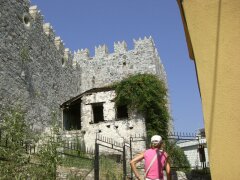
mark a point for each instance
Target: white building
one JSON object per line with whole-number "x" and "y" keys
{"x": 94, "y": 112}
{"x": 192, "y": 149}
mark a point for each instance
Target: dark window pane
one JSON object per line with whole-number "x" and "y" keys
{"x": 72, "y": 117}
{"x": 122, "y": 112}
{"x": 97, "y": 112}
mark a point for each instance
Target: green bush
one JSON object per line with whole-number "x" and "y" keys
{"x": 14, "y": 160}
{"x": 177, "y": 157}
{"x": 148, "y": 95}
{"x": 48, "y": 154}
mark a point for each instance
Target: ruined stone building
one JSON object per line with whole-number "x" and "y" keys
{"x": 40, "y": 74}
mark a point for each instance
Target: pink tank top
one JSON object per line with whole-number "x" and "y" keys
{"x": 156, "y": 170}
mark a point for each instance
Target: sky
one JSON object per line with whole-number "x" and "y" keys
{"x": 89, "y": 23}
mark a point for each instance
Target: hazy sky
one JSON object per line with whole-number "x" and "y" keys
{"x": 88, "y": 23}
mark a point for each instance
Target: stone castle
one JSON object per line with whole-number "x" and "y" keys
{"x": 42, "y": 75}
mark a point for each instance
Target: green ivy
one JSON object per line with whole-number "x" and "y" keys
{"x": 148, "y": 95}
{"x": 177, "y": 157}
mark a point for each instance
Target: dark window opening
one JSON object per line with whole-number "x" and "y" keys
{"x": 122, "y": 112}
{"x": 72, "y": 117}
{"x": 63, "y": 61}
{"x": 97, "y": 112}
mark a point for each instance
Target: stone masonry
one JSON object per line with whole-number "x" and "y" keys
{"x": 35, "y": 69}
{"x": 40, "y": 74}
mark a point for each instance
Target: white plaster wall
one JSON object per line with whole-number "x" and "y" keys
{"x": 117, "y": 130}
{"x": 190, "y": 149}
{"x": 192, "y": 156}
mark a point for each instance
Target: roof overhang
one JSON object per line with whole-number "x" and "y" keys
{"x": 77, "y": 99}
{"x": 187, "y": 35}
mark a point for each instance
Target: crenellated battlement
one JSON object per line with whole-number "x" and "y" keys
{"x": 105, "y": 68}
{"x": 67, "y": 54}
{"x": 58, "y": 43}
{"x": 143, "y": 43}
{"x": 36, "y": 15}
{"x": 120, "y": 47}
{"x": 101, "y": 51}
{"x": 34, "y": 12}
{"x": 140, "y": 46}
{"x": 48, "y": 29}
{"x": 82, "y": 54}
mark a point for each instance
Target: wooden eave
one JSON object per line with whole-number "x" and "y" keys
{"x": 78, "y": 98}
{"x": 187, "y": 35}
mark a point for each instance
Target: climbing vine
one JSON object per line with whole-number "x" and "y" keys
{"x": 148, "y": 95}
{"x": 24, "y": 54}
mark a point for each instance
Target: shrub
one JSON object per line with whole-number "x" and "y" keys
{"x": 14, "y": 160}
{"x": 48, "y": 154}
{"x": 148, "y": 95}
{"x": 177, "y": 157}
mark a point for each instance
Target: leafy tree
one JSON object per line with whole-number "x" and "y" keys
{"x": 15, "y": 162}
{"x": 148, "y": 95}
{"x": 14, "y": 133}
{"x": 177, "y": 157}
{"x": 48, "y": 154}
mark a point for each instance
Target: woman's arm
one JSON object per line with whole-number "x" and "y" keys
{"x": 168, "y": 169}
{"x": 133, "y": 162}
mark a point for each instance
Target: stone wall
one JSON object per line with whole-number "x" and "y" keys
{"x": 105, "y": 68}
{"x": 116, "y": 129}
{"x": 190, "y": 149}
{"x": 36, "y": 70}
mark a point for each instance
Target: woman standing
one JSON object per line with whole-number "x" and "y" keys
{"x": 155, "y": 161}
